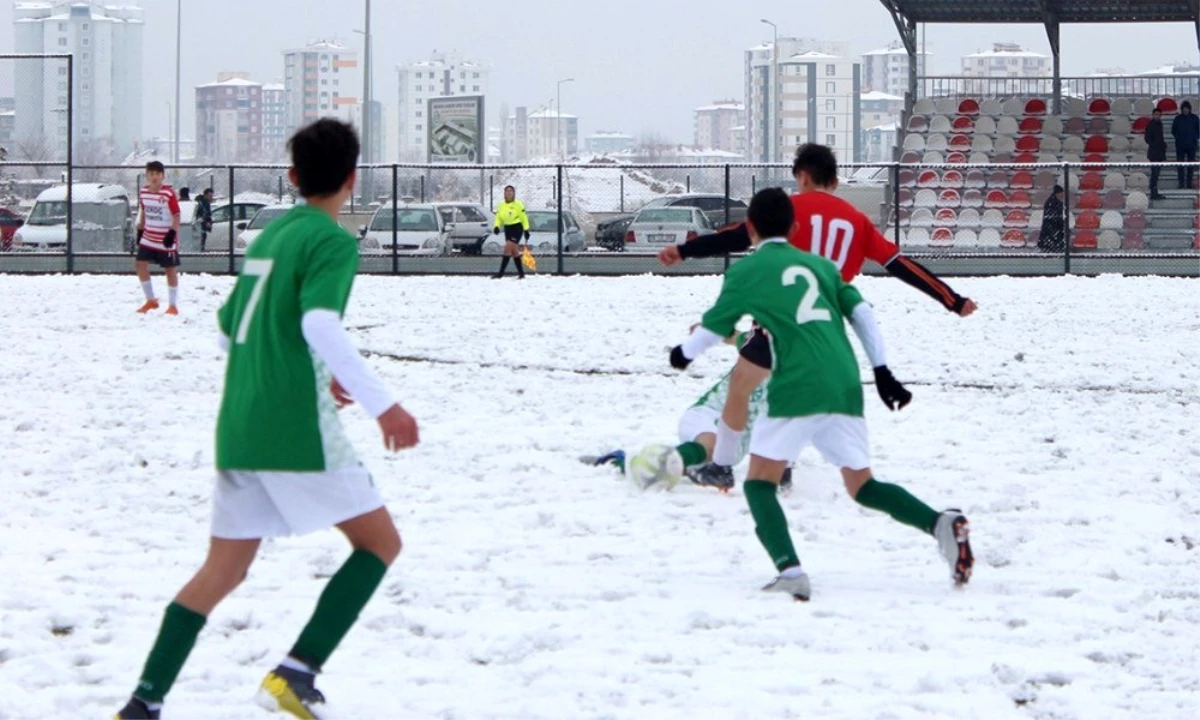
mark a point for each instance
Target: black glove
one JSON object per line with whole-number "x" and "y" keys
{"x": 526, "y": 234}
{"x": 893, "y": 394}
{"x": 169, "y": 240}
{"x": 495, "y": 231}
{"x": 678, "y": 361}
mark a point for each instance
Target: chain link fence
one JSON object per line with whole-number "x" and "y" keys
{"x": 609, "y": 218}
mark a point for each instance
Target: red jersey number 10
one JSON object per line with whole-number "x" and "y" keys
{"x": 834, "y": 244}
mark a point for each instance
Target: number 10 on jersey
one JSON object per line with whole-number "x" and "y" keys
{"x": 833, "y": 245}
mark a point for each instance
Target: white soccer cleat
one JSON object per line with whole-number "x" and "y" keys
{"x": 657, "y": 466}
{"x": 953, "y": 534}
{"x": 795, "y": 583}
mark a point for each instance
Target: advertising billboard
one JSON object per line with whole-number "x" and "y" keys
{"x": 456, "y": 130}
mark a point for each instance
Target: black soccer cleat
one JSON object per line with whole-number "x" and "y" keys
{"x": 785, "y": 484}
{"x": 136, "y": 709}
{"x": 712, "y": 475}
{"x": 292, "y": 691}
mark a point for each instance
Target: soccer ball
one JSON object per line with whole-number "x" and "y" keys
{"x": 656, "y": 466}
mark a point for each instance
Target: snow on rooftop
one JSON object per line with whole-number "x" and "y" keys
{"x": 233, "y": 82}
{"x": 722, "y": 106}
{"x": 880, "y": 97}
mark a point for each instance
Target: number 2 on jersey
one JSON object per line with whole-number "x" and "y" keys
{"x": 808, "y": 310}
{"x": 835, "y": 244}
{"x": 260, "y": 270}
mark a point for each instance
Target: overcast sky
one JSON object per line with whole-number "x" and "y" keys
{"x": 639, "y": 65}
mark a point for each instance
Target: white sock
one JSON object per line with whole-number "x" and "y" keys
{"x": 148, "y": 289}
{"x": 292, "y": 663}
{"x": 728, "y": 443}
{"x": 793, "y": 571}
{"x": 173, "y": 293}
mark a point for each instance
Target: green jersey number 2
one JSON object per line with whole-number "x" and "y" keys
{"x": 260, "y": 270}
{"x": 808, "y": 310}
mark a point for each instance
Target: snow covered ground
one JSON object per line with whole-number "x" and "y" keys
{"x": 1063, "y": 418}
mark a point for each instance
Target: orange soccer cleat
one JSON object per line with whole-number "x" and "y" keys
{"x": 172, "y": 310}
{"x": 148, "y": 306}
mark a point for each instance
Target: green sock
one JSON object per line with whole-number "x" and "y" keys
{"x": 175, "y": 641}
{"x": 338, "y": 607}
{"x": 769, "y": 523}
{"x": 899, "y": 503}
{"x": 693, "y": 453}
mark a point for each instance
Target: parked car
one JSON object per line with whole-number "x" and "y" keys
{"x": 543, "y": 234}
{"x": 610, "y": 234}
{"x": 417, "y": 230}
{"x": 468, "y": 224}
{"x": 241, "y": 211}
{"x": 262, "y": 218}
{"x": 100, "y": 215}
{"x": 9, "y": 222}
{"x": 657, "y": 227}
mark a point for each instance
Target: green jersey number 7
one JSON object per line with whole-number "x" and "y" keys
{"x": 808, "y": 310}
{"x": 260, "y": 270}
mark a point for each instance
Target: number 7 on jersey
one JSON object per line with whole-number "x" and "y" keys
{"x": 260, "y": 270}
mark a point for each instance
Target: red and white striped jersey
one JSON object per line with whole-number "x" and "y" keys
{"x": 158, "y": 209}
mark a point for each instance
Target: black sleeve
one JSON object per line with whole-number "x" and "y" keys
{"x": 757, "y": 348}
{"x": 726, "y": 241}
{"x": 915, "y": 274}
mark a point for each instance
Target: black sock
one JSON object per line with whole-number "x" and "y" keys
{"x": 503, "y": 264}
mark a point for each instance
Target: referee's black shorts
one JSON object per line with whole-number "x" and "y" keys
{"x": 514, "y": 233}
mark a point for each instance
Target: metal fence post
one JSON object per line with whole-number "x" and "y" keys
{"x": 896, "y": 200}
{"x": 395, "y": 239}
{"x": 560, "y": 220}
{"x": 423, "y": 176}
{"x": 1068, "y": 233}
{"x": 727, "y": 191}
{"x": 688, "y": 181}
{"x": 232, "y": 195}
{"x": 622, "y": 179}
{"x": 71, "y": 165}
{"x": 492, "y": 192}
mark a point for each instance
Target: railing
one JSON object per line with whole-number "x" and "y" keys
{"x": 1156, "y": 86}
{"x": 581, "y": 216}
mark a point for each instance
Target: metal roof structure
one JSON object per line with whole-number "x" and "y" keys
{"x": 1051, "y": 13}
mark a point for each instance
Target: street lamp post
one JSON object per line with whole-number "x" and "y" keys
{"x": 169, "y": 121}
{"x": 776, "y": 125}
{"x": 178, "y": 56}
{"x": 558, "y": 118}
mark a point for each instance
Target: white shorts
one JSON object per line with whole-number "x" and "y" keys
{"x": 841, "y": 439}
{"x": 700, "y": 419}
{"x": 251, "y": 504}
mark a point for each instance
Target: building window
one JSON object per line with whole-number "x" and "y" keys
{"x": 830, "y": 70}
{"x": 830, "y": 87}
{"x": 475, "y": 76}
{"x": 474, "y": 88}
{"x": 86, "y": 42}
{"x": 831, "y": 105}
{"x": 831, "y": 140}
{"x": 62, "y": 27}
{"x": 831, "y": 123}
{"x": 418, "y": 126}
{"x": 85, "y": 27}
{"x": 62, "y": 42}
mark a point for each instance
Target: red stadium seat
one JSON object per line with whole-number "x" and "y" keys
{"x": 1139, "y": 125}
{"x": 1094, "y": 162}
{"x": 1019, "y": 199}
{"x": 1091, "y": 181}
{"x": 1029, "y": 144}
{"x": 1099, "y": 106}
{"x": 1036, "y": 106}
{"x": 1013, "y": 238}
{"x": 1088, "y": 220}
{"x": 942, "y": 237}
{"x": 963, "y": 124}
{"x": 1016, "y": 219}
{"x": 996, "y": 198}
{"x": 957, "y": 158}
{"x": 1085, "y": 240}
{"x": 945, "y": 217}
{"x": 1025, "y": 158}
{"x": 1168, "y": 106}
{"x": 928, "y": 178}
{"x": 970, "y": 106}
{"x": 960, "y": 142}
{"x": 1096, "y": 144}
{"x": 950, "y": 198}
{"x": 952, "y": 179}
{"x": 1030, "y": 126}
{"x": 1090, "y": 201}
{"x": 1022, "y": 179}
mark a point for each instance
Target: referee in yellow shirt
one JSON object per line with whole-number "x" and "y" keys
{"x": 511, "y": 216}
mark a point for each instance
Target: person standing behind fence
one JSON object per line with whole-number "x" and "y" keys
{"x": 1052, "y": 238}
{"x": 157, "y": 230}
{"x": 204, "y": 215}
{"x": 1186, "y": 129}
{"x": 1156, "y": 150}
{"x": 511, "y": 216}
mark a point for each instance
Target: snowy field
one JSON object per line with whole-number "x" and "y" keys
{"x": 1063, "y": 418}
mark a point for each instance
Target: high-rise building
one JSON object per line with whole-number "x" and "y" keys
{"x": 544, "y": 134}
{"x": 442, "y": 75}
{"x": 106, "y": 100}
{"x": 229, "y": 117}
{"x": 605, "y": 142}
{"x": 1007, "y": 60}
{"x": 886, "y": 70}
{"x": 320, "y": 80}
{"x": 818, "y": 93}
{"x": 715, "y": 125}
{"x": 274, "y": 121}
{"x": 8, "y": 118}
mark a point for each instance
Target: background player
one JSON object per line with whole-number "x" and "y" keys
{"x": 284, "y": 463}
{"x": 157, "y": 230}
{"x": 815, "y": 393}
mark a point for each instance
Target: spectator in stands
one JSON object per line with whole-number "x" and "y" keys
{"x": 1186, "y": 129}
{"x": 1053, "y": 235}
{"x": 1156, "y": 150}
{"x": 185, "y": 194}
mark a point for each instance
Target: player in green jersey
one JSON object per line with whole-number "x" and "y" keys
{"x": 814, "y": 395}
{"x": 284, "y": 464}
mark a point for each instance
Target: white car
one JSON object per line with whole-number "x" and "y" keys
{"x": 543, "y": 234}
{"x": 657, "y": 227}
{"x": 262, "y": 218}
{"x": 416, "y": 230}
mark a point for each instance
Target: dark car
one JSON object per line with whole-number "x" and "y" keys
{"x": 711, "y": 204}
{"x": 9, "y": 222}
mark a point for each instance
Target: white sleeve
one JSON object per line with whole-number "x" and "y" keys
{"x": 699, "y": 341}
{"x": 223, "y": 341}
{"x": 867, "y": 330}
{"x": 324, "y": 334}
